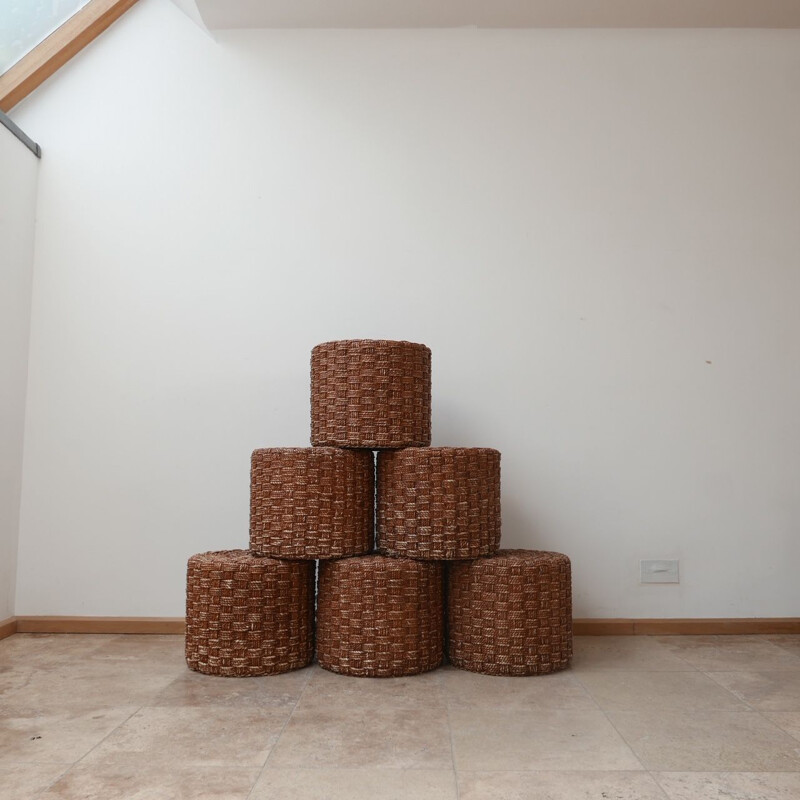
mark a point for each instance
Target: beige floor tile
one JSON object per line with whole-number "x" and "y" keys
{"x": 195, "y": 689}
{"x": 765, "y": 691}
{"x": 624, "y": 652}
{"x": 355, "y": 784}
{"x": 627, "y": 690}
{"x": 730, "y": 785}
{"x": 88, "y": 684}
{"x": 145, "y": 781}
{"x": 144, "y": 651}
{"x": 788, "y": 721}
{"x": 26, "y": 781}
{"x": 558, "y": 786}
{"x": 341, "y": 734}
{"x": 57, "y": 737}
{"x": 32, "y": 650}
{"x": 706, "y": 740}
{"x": 730, "y": 653}
{"x": 537, "y": 739}
{"x": 12, "y": 679}
{"x": 786, "y": 641}
{"x": 557, "y": 690}
{"x": 415, "y": 691}
{"x": 201, "y": 735}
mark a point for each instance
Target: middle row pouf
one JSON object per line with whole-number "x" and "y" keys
{"x": 311, "y": 502}
{"x": 439, "y": 503}
{"x": 434, "y": 503}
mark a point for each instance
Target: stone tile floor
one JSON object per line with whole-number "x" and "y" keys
{"x": 634, "y": 718}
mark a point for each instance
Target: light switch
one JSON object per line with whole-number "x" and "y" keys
{"x": 663, "y": 571}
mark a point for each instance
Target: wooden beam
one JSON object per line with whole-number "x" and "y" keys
{"x": 677, "y": 627}
{"x": 582, "y": 627}
{"x": 8, "y": 627}
{"x": 58, "y": 48}
{"x": 176, "y": 625}
{"x": 603, "y": 627}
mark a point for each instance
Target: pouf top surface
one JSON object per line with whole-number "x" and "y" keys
{"x": 378, "y": 561}
{"x": 512, "y": 557}
{"x": 426, "y": 452}
{"x": 312, "y": 452}
{"x": 367, "y": 344}
{"x": 235, "y": 558}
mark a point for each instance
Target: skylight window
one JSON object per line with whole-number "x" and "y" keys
{"x": 26, "y": 23}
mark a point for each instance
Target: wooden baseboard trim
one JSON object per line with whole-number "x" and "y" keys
{"x": 173, "y": 625}
{"x": 8, "y": 627}
{"x": 603, "y": 627}
{"x": 685, "y": 627}
{"x": 581, "y": 627}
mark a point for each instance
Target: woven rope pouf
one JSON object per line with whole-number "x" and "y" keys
{"x": 380, "y": 617}
{"x": 311, "y": 502}
{"x": 511, "y": 614}
{"x": 371, "y": 393}
{"x": 247, "y": 615}
{"x": 439, "y": 502}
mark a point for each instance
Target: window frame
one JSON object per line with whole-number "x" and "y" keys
{"x": 58, "y": 48}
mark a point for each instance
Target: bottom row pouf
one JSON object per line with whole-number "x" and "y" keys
{"x": 511, "y": 614}
{"x": 380, "y": 617}
{"x": 508, "y": 614}
{"x": 248, "y": 615}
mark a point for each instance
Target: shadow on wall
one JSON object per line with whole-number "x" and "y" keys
{"x": 519, "y": 528}
{"x": 457, "y": 425}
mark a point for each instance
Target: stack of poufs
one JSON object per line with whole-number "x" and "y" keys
{"x": 404, "y": 545}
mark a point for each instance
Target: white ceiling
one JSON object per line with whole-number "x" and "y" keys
{"x": 223, "y": 14}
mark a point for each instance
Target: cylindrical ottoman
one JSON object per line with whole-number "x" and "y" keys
{"x": 380, "y": 617}
{"x": 247, "y": 615}
{"x": 371, "y": 393}
{"x": 311, "y": 502}
{"x": 439, "y": 502}
{"x": 511, "y": 614}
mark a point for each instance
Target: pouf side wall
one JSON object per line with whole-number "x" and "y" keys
{"x": 371, "y": 394}
{"x": 311, "y": 502}
{"x": 380, "y": 617}
{"x": 248, "y": 616}
{"x": 511, "y": 614}
{"x": 438, "y": 502}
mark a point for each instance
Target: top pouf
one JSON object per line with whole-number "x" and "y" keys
{"x": 371, "y": 393}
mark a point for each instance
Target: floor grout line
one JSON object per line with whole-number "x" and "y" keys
{"x": 55, "y": 780}
{"x": 775, "y": 724}
{"x": 310, "y": 669}
{"x": 730, "y": 691}
{"x": 450, "y": 695}
{"x": 603, "y": 712}
{"x": 446, "y": 700}
{"x": 90, "y": 750}
{"x": 658, "y": 784}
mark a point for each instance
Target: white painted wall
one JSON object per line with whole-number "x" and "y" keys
{"x": 18, "y": 171}
{"x": 596, "y": 232}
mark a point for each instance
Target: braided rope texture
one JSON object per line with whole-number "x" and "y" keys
{"x": 371, "y": 393}
{"x": 439, "y": 502}
{"x": 311, "y": 502}
{"x": 511, "y": 614}
{"x": 247, "y": 615}
{"x": 380, "y": 617}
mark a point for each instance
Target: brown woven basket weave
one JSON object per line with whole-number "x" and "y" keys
{"x": 371, "y": 393}
{"x": 247, "y": 615}
{"x": 380, "y": 617}
{"x": 311, "y": 502}
{"x": 511, "y": 614}
{"x": 439, "y": 502}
